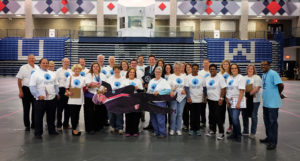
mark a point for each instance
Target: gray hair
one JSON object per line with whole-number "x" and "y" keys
{"x": 158, "y": 68}
{"x": 100, "y": 55}
{"x": 177, "y": 63}
{"x": 65, "y": 59}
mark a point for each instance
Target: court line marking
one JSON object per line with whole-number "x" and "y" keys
{"x": 8, "y": 99}
{"x": 9, "y": 114}
{"x": 290, "y": 113}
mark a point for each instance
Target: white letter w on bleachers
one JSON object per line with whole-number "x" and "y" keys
{"x": 40, "y": 50}
{"x": 230, "y": 56}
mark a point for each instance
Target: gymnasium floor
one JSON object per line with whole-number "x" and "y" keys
{"x": 16, "y": 144}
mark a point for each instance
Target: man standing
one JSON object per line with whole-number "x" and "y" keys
{"x": 23, "y": 76}
{"x": 108, "y": 70}
{"x": 149, "y": 70}
{"x": 205, "y": 71}
{"x": 139, "y": 73}
{"x": 100, "y": 60}
{"x": 272, "y": 88}
{"x": 141, "y": 65}
{"x": 61, "y": 76}
{"x": 43, "y": 86}
{"x": 84, "y": 69}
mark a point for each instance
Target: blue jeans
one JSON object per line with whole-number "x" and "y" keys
{"x": 253, "y": 119}
{"x": 116, "y": 121}
{"x": 176, "y": 114}
{"x": 159, "y": 121}
{"x": 235, "y": 113}
{"x": 271, "y": 124}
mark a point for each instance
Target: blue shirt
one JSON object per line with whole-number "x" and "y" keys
{"x": 271, "y": 97}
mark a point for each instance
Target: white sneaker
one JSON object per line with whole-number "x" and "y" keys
{"x": 252, "y": 136}
{"x": 179, "y": 133}
{"x": 211, "y": 133}
{"x": 172, "y": 132}
{"x": 112, "y": 130}
{"x": 120, "y": 132}
{"x": 220, "y": 136}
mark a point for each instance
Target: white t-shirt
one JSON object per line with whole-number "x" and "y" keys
{"x": 167, "y": 76}
{"x": 25, "y": 73}
{"x": 195, "y": 84}
{"x": 93, "y": 78}
{"x": 256, "y": 81}
{"x": 177, "y": 82}
{"x": 214, "y": 85}
{"x": 141, "y": 68}
{"x": 234, "y": 85}
{"x": 44, "y": 82}
{"x": 157, "y": 85}
{"x": 62, "y": 75}
{"x": 225, "y": 75}
{"x": 108, "y": 71}
{"x": 123, "y": 73}
{"x": 135, "y": 82}
{"x": 116, "y": 83}
{"x": 84, "y": 72}
{"x": 76, "y": 82}
{"x": 139, "y": 75}
{"x": 204, "y": 73}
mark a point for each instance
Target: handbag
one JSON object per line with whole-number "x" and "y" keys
{"x": 75, "y": 92}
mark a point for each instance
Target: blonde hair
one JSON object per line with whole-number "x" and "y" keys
{"x": 254, "y": 69}
{"x": 222, "y": 69}
{"x": 52, "y": 63}
{"x": 76, "y": 66}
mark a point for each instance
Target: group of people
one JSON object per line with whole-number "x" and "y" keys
{"x": 66, "y": 90}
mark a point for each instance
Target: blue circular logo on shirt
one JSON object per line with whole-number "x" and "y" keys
{"x": 211, "y": 83}
{"x": 32, "y": 72}
{"x": 225, "y": 76}
{"x": 167, "y": 78}
{"x": 248, "y": 81}
{"x": 153, "y": 86}
{"x": 117, "y": 84}
{"x": 230, "y": 83}
{"x": 206, "y": 75}
{"x": 178, "y": 81}
{"x": 111, "y": 72}
{"x": 195, "y": 81}
{"x": 47, "y": 76}
{"x": 82, "y": 74}
{"x": 132, "y": 83}
{"x": 104, "y": 72}
{"x": 97, "y": 79}
{"x": 76, "y": 82}
{"x": 67, "y": 74}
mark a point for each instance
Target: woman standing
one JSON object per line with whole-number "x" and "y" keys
{"x": 94, "y": 115}
{"x": 160, "y": 63}
{"x": 76, "y": 100}
{"x": 124, "y": 64}
{"x": 215, "y": 85}
{"x": 177, "y": 82}
{"x": 195, "y": 86}
{"x": 159, "y": 86}
{"x": 116, "y": 81}
{"x": 133, "y": 118}
{"x": 187, "y": 107}
{"x": 168, "y": 70}
{"x": 253, "y": 85}
{"x": 235, "y": 99}
{"x": 225, "y": 72}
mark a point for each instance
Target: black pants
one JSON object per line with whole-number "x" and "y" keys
{"x": 132, "y": 122}
{"x": 95, "y": 116}
{"x": 271, "y": 124}
{"x": 63, "y": 107}
{"x": 74, "y": 110}
{"x": 203, "y": 113}
{"x": 26, "y": 101}
{"x": 223, "y": 113}
{"x": 215, "y": 116}
{"x": 42, "y": 107}
{"x": 195, "y": 116}
{"x": 186, "y": 115}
